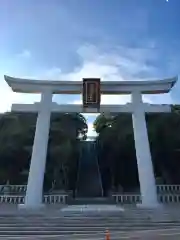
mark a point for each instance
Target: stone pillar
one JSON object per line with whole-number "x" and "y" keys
{"x": 34, "y": 191}
{"x": 143, "y": 154}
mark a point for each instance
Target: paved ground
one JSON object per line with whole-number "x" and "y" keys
{"x": 161, "y": 234}
{"x": 157, "y": 234}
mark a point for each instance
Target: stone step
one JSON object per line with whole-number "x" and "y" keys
{"x": 110, "y": 223}
{"x": 20, "y": 232}
{"x": 91, "y": 201}
{"x": 74, "y": 219}
{"x": 81, "y": 225}
{"x": 87, "y": 223}
{"x": 91, "y": 221}
{"x": 70, "y": 224}
{"x": 92, "y": 218}
{"x": 89, "y": 218}
{"x": 102, "y": 229}
{"x": 86, "y": 217}
{"x": 57, "y": 211}
{"x": 90, "y": 213}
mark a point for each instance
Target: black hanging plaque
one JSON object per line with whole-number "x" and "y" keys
{"x": 91, "y": 92}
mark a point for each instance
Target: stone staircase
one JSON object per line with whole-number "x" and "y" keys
{"x": 84, "y": 222}
{"x": 89, "y": 183}
{"x": 92, "y": 201}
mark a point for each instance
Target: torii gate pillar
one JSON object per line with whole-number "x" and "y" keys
{"x": 143, "y": 154}
{"x": 34, "y": 190}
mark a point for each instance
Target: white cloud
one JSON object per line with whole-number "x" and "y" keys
{"x": 50, "y": 74}
{"x": 8, "y": 97}
{"x": 125, "y": 64}
{"x": 116, "y": 67}
{"x": 24, "y": 54}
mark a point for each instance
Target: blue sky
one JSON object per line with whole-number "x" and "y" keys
{"x": 72, "y": 39}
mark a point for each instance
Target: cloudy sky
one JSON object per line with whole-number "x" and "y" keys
{"x": 72, "y": 39}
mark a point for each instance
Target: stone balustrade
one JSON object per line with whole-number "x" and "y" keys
{"x": 127, "y": 198}
{"x": 13, "y": 189}
{"x": 136, "y": 198}
{"x": 48, "y": 199}
{"x": 167, "y": 194}
{"x": 22, "y": 188}
{"x": 169, "y": 198}
{"x": 118, "y": 198}
{"x": 168, "y": 189}
{"x": 55, "y": 199}
{"x": 12, "y": 199}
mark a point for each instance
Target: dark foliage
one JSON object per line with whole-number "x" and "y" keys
{"x": 117, "y": 156}
{"x": 16, "y": 140}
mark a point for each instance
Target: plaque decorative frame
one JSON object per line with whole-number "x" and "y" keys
{"x": 91, "y": 92}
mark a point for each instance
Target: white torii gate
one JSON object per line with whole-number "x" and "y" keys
{"x": 44, "y": 108}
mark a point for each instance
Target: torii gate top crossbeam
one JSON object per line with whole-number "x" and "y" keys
{"x": 75, "y": 87}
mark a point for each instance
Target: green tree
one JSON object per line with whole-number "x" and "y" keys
{"x": 117, "y": 150}
{"x": 16, "y": 140}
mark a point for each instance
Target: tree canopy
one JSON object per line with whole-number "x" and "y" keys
{"x": 16, "y": 139}
{"x": 117, "y": 156}
{"x": 115, "y": 148}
